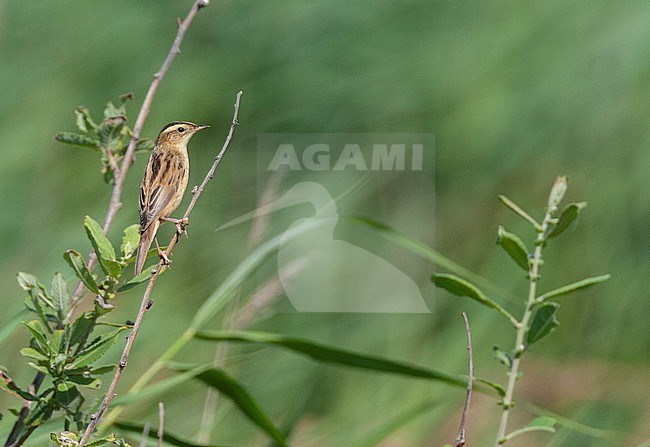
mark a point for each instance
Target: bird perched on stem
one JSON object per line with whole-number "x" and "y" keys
{"x": 163, "y": 185}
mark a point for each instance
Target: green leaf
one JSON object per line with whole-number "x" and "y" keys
{"x": 80, "y": 327}
{"x": 241, "y": 397}
{"x": 574, "y": 287}
{"x": 66, "y": 393}
{"x": 544, "y": 322}
{"x": 130, "y": 240}
{"x": 501, "y": 391}
{"x": 39, "y": 368}
{"x": 75, "y": 139}
{"x": 78, "y": 264}
{"x": 60, "y": 295}
{"x": 144, "y": 145}
{"x": 519, "y": 211}
{"x": 331, "y": 354}
{"x": 514, "y": 247}
{"x": 103, "y": 248}
{"x": 34, "y": 354}
{"x": 568, "y": 216}
{"x": 96, "y": 349}
{"x": 542, "y": 423}
{"x": 111, "y": 111}
{"x": 460, "y": 287}
{"x": 38, "y": 333}
{"x": 84, "y": 120}
{"x": 168, "y": 438}
{"x": 213, "y": 304}
{"x": 420, "y": 249}
{"x": 143, "y": 277}
{"x": 503, "y": 357}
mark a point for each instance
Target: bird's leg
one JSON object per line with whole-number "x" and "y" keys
{"x": 180, "y": 224}
{"x": 162, "y": 254}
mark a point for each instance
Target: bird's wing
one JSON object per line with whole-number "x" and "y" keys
{"x": 154, "y": 203}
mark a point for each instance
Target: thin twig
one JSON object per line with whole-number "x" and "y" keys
{"x": 115, "y": 201}
{"x": 145, "y": 435}
{"x": 460, "y": 440}
{"x": 161, "y": 423}
{"x": 147, "y": 302}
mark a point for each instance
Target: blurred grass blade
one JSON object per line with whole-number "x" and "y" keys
{"x": 514, "y": 247}
{"x": 519, "y": 211}
{"x": 160, "y": 387}
{"x": 541, "y": 423}
{"x": 169, "y": 438}
{"x": 424, "y": 251}
{"x": 241, "y": 397}
{"x": 460, "y": 287}
{"x": 220, "y": 297}
{"x": 574, "y": 287}
{"x": 8, "y": 327}
{"x": 331, "y": 354}
{"x": 387, "y": 428}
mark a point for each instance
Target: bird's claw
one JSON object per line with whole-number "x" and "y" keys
{"x": 163, "y": 256}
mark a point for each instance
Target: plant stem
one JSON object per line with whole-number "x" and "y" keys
{"x": 520, "y": 347}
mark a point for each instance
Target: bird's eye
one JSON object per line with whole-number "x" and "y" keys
{"x": 181, "y": 129}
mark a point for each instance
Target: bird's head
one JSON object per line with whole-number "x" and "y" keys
{"x": 178, "y": 132}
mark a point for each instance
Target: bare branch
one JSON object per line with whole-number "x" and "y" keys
{"x": 161, "y": 423}
{"x": 147, "y": 302}
{"x": 460, "y": 440}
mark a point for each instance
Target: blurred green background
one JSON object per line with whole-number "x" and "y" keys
{"x": 515, "y": 93}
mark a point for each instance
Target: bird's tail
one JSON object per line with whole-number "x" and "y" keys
{"x": 143, "y": 247}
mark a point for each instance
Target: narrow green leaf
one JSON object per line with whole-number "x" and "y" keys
{"x": 544, "y": 322}
{"x": 460, "y": 287}
{"x": 38, "y": 333}
{"x": 542, "y": 423}
{"x": 60, "y": 295}
{"x": 220, "y": 297}
{"x": 9, "y": 386}
{"x": 84, "y": 120}
{"x": 143, "y": 277}
{"x": 568, "y": 216}
{"x": 76, "y": 139}
{"x": 168, "y": 437}
{"x": 420, "y": 249}
{"x": 130, "y": 240}
{"x": 79, "y": 328}
{"x": 519, "y": 211}
{"x": 96, "y": 349}
{"x": 105, "y": 440}
{"x": 103, "y": 248}
{"x": 39, "y": 368}
{"x": 160, "y": 387}
{"x": 574, "y": 287}
{"x": 501, "y": 391}
{"x": 241, "y": 397}
{"x": 503, "y": 357}
{"x": 331, "y": 354}
{"x": 78, "y": 264}
{"x": 514, "y": 247}
{"x": 66, "y": 393}
{"x": 34, "y": 354}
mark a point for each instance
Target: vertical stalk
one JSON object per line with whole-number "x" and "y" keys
{"x": 557, "y": 192}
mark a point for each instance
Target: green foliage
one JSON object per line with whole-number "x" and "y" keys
{"x": 568, "y": 216}
{"x": 110, "y": 137}
{"x": 331, "y": 354}
{"x": 461, "y": 287}
{"x": 544, "y": 322}
{"x": 514, "y": 247}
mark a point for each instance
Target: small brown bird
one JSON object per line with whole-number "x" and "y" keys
{"x": 164, "y": 182}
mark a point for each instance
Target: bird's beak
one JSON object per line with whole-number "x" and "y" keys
{"x": 200, "y": 128}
